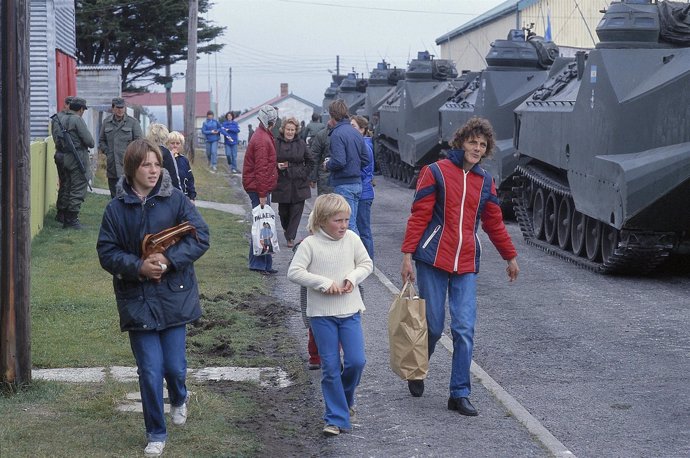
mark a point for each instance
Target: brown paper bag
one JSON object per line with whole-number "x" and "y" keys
{"x": 407, "y": 335}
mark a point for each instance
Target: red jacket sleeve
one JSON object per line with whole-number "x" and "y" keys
{"x": 492, "y": 223}
{"x": 422, "y": 210}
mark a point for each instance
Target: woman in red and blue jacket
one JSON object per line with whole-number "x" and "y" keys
{"x": 453, "y": 195}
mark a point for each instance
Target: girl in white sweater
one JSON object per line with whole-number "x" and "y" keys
{"x": 330, "y": 263}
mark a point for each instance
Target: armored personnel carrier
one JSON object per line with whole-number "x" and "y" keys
{"x": 516, "y": 67}
{"x": 408, "y": 121}
{"x": 330, "y": 95}
{"x": 604, "y": 146}
{"x": 353, "y": 91}
{"x": 382, "y": 80}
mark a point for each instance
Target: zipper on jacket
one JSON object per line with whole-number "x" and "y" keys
{"x": 462, "y": 215}
{"x": 433, "y": 233}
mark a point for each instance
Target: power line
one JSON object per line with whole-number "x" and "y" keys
{"x": 374, "y": 8}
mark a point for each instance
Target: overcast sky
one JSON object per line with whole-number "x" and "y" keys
{"x": 268, "y": 42}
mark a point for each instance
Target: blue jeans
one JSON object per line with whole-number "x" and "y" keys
{"x": 351, "y": 193}
{"x": 231, "y": 154}
{"x": 265, "y": 261}
{"x": 434, "y": 284}
{"x": 364, "y": 225}
{"x": 338, "y": 387}
{"x": 212, "y": 153}
{"x": 159, "y": 355}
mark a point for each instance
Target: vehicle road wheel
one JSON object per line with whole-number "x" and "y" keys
{"x": 577, "y": 232}
{"x": 593, "y": 239}
{"x": 550, "y": 218}
{"x": 538, "y": 214}
{"x": 609, "y": 242}
{"x": 565, "y": 216}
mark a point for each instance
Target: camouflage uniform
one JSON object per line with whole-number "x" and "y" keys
{"x": 76, "y": 181}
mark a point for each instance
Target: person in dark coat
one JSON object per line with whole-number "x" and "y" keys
{"x": 259, "y": 177}
{"x": 321, "y": 151}
{"x": 59, "y": 157}
{"x": 294, "y": 168}
{"x": 157, "y": 296}
{"x": 176, "y": 145}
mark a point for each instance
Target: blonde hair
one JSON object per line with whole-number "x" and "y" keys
{"x": 175, "y": 136}
{"x": 291, "y": 120}
{"x": 325, "y": 206}
{"x": 158, "y": 133}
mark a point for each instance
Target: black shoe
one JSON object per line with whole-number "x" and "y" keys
{"x": 416, "y": 387}
{"x": 60, "y": 216}
{"x": 463, "y": 406}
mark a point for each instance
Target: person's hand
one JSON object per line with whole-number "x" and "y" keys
{"x": 312, "y": 184}
{"x": 282, "y": 165}
{"x": 333, "y": 289}
{"x": 154, "y": 266}
{"x": 407, "y": 271}
{"x": 262, "y": 201}
{"x": 512, "y": 269}
{"x": 347, "y": 287}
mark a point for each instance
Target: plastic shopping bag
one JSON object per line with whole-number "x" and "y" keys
{"x": 264, "y": 237}
{"x": 407, "y": 335}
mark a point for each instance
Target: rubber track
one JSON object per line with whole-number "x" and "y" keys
{"x": 630, "y": 257}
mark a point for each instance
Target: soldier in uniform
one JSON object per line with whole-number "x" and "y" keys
{"x": 75, "y": 178}
{"x": 59, "y": 157}
{"x": 118, "y": 130}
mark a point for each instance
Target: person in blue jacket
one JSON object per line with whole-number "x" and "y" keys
{"x": 230, "y": 131}
{"x": 211, "y": 129}
{"x": 367, "y": 197}
{"x": 348, "y": 157}
{"x": 156, "y": 296}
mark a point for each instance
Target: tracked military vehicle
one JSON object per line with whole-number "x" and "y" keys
{"x": 408, "y": 121}
{"x": 516, "y": 67}
{"x": 604, "y": 146}
{"x": 382, "y": 80}
{"x": 353, "y": 92}
{"x": 329, "y": 95}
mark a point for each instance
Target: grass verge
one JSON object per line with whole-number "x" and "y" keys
{"x": 75, "y": 324}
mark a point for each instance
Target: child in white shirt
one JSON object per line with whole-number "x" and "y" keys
{"x": 330, "y": 263}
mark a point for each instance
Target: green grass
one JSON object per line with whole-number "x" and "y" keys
{"x": 75, "y": 324}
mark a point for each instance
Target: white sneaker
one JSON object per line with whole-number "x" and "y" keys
{"x": 154, "y": 449}
{"x": 179, "y": 414}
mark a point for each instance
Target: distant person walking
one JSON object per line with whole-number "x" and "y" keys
{"x": 294, "y": 169}
{"x": 453, "y": 195}
{"x": 366, "y": 199}
{"x": 211, "y": 129}
{"x": 250, "y": 132}
{"x": 176, "y": 145}
{"x": 230, "y": 131}
{"x": 76, "y": 180}
{"x": 59, "y": 158}
{"x": 331, "y": 263}
{"x": 348, "y": 157}
{"x": 156, "y": 296}
{"x": 118, "y": 130}
{"x": 259, "y": 177}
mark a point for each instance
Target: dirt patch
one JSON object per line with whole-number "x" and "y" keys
{"x": 287, "y": 421}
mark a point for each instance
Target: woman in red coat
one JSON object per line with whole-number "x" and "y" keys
{"x": 259, "y": 176}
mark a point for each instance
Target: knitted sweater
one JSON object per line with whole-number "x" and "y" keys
{"x": 321, "y": 260}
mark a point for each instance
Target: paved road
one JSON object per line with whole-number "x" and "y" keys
{"x": 601, "y": 362}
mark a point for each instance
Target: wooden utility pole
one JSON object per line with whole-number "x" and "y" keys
{"x": 168, "y": 96}
{"x": 190, "y": 82}
{"x": 15, "y": 235}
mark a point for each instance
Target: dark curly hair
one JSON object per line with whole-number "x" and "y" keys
{"x": 474, "y": 127}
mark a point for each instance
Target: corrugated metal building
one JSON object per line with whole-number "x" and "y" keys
{"x": 52, "y": 60}
{"x": 573, "y": 25}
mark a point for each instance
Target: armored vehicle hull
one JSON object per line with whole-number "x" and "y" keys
{"x": 604, "y": 148}
{"x": 408, "y": 121}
